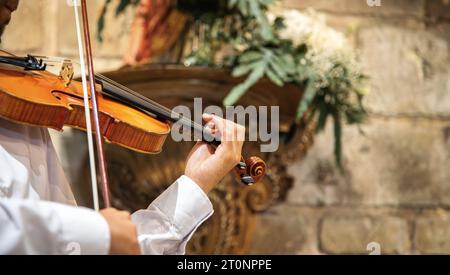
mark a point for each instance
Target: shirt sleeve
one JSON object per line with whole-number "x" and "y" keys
{"x": 41, "y": 227}
{"x": 169, "y": 222}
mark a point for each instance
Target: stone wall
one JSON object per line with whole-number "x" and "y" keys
{"x": 396, "y": 187}
{"x": 47, "y": 27}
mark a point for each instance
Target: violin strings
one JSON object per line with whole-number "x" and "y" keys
{"x": 159, "y": 108}
{"x": 166, "y": 111}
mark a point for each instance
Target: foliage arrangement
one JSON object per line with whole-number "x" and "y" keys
{"x": 286, "y": 47}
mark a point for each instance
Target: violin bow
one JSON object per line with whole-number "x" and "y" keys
{"x": 94, "y": 118}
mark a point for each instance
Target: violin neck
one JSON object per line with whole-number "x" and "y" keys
{"x": 127, "y": 96}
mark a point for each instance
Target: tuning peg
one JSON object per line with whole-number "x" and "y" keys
{"x": 246, "y": 179}
{"x": 242, "y": 165}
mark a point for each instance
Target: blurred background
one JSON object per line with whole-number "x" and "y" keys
{"x": 387, "y": 191}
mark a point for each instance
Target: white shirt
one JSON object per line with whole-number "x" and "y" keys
{"x": 38, "y": 212}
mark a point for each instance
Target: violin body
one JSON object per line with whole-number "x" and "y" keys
{"x": 40, "y": 98}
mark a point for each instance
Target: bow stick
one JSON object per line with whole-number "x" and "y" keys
{"x": 94, "y": 119}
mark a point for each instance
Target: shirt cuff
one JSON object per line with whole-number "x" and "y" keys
{"x": 185, "y": 204}
{"x": 84, "y": 231}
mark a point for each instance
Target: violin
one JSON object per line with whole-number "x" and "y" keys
{"x": 31, "y": 95}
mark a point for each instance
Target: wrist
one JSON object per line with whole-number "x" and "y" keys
{"x": 205, "y": 186}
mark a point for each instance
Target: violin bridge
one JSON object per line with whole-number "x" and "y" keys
{"x": 66, "y": 73}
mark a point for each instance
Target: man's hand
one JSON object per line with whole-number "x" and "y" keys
{"x": 206, "y": 165}
{"x": 123, "y": 232}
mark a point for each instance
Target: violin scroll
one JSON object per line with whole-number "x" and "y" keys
{"x": 251, "y": 170}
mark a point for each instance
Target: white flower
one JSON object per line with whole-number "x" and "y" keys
{"x": 326, "y": 46}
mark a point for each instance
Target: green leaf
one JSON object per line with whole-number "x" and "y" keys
{"x": 243, "y": 7}
{"x": 123, "y": 4}
{"x": 254, "y": 8}
{"x": 249, "y": 56}
{"x": 307, "y": 99}
{"x": 101, "y": 21}
{"x": 278, "y": 24}
{"x": 266, "y": 3}
{"x": 338, "y": 139}
{"x": 266, "y": 30}
{"x": 274, "y": 77}
{"x": 278, "y": 69}
{"x": 322, "y": 119}
{"x": 245, "y": 68}
{"x": 232, "y": 3}
{"x": 240, "y": 89}
{"x": 289, "y": 63}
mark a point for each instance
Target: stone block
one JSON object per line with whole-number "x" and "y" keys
{"x": 409, "y": 69}
{"x": 432, "y": 235}
{"x": 408, "y": 62}
{"x": 386, "y": 8}
{"x": 357, "y": 235}
{"x": 286, "y": 230}
{"x": 397, "y": 162}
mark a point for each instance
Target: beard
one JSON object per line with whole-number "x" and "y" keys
{"x": 2, "y": 29}
{"x": 7, "y": 7}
